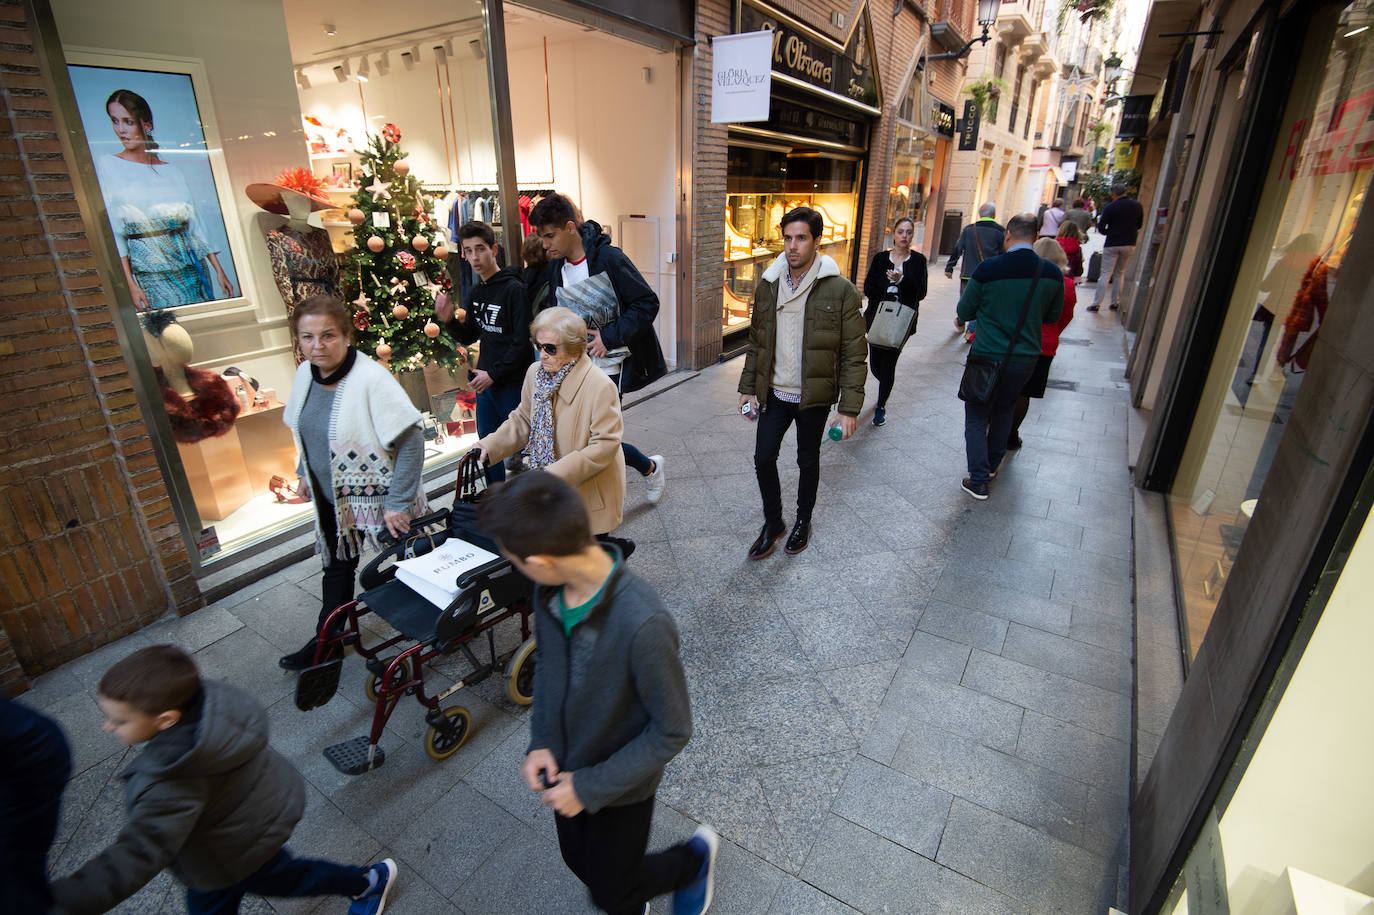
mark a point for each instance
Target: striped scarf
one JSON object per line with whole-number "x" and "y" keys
{"x": 540, "y": 452}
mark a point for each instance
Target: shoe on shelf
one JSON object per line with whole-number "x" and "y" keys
{"x": 979, "y": 491}
{"x": 1094, "y": 308}
{"x": 695, "y": 897}
{"x": 1013, "y": 442}
{"x": 767, "y": 540}
{"x": 799, "y": 538}
{"x": 879, "y": 415}
{"x": 655, "y": 481}
{"x": 373, "y": 902}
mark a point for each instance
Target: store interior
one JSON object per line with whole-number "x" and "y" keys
{"x": 301, "y": 84}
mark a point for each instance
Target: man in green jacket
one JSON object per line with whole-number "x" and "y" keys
{"x": 806, "y": 350}
{"x": 997, "y": 293}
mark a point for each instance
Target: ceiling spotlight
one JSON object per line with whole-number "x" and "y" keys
{"x": 475, "y": 46}
{"x": 330, "y": 30}
{"x": 341, "y": 71}
{"x": 384, "y": 64}
{"x": 439, "y": 55}
{"x": 406, "y": 60}
{"x": 302, "y": 81}
{"x": 364, "y": 68}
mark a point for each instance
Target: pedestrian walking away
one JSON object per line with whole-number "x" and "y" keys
{"x": 978, "y": 242}
{"x": 495, "y": 315}
{"x": 806, "y": 349}
{"x": 1120, "y": 222}
{"x": 1011, "y": 297}
{"x": 897, "y": 275}
{"x": 360, "y": 450}
{"x": 611, "y": 706}
{"x": 207, "y": 798}
{"x": 1078, "y": 215}
{"x": 619, "y": 310}
{"x": 1052, "y": 251}
{"x": 1054, "y": 215}
{"x": 1070, "y": 239}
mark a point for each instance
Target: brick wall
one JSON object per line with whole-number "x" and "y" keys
{"x": 89, "y": 547}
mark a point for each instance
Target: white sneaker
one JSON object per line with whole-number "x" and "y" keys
{"x": 656, "y": 481}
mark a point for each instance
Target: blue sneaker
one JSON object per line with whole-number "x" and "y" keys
{"x": 879, "y": 415}
{"x": 373, "y": 902}
{"x": 695, "y": 897}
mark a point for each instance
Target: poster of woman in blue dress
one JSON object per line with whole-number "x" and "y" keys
{"x": 159, "y": 192}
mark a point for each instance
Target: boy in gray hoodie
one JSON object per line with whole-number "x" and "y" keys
{"x": 206, "y": 797}
{"x": 610, "y": 700}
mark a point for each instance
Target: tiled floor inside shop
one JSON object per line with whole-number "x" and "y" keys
{"x": 927, "y": 711}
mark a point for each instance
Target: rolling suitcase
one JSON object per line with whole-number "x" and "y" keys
{"x": 1095, "y": 267}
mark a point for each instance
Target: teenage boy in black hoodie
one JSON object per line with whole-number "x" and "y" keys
{"x": 610, "y": 701}
{"x": 497, "y": 317}
{"x": 626, "y": 347}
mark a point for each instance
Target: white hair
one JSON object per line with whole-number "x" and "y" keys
{"x": 987, "y": 209}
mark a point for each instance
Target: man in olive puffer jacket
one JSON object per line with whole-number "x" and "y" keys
{"x": 807, "y": 348}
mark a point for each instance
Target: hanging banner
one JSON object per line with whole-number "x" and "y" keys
{"x": 1125, "y": 156}
{"x": 968, "y": 127}
{"x": 741, "y": 81}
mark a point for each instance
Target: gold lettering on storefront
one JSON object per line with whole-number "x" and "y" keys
{"x": 795, "y": 54}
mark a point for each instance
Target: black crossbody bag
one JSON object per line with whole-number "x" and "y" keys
{"x": 981, "y": 374}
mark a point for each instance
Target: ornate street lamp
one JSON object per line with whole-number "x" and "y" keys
{"x": 1112, "y": 69}
{"x": 987, "y": 16}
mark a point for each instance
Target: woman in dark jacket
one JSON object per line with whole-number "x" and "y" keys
{"x": 898, "y": 275}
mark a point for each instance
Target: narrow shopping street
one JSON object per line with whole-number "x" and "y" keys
{"x": 927, "y": 711}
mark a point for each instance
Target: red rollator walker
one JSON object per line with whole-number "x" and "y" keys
{"x": 487, "y": 596}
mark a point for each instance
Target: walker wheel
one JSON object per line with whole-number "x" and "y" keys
{"x": 520, "y": 674}
{"x": 373, "y": 686}
{"x": 443, "y": 740}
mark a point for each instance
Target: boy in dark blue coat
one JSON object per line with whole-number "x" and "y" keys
{"x": 610, "y": 701}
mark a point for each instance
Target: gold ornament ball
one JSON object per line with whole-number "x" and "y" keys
{"x": 402, "y": 168}
{"x": 431, "y": 330}
{"x": 356, "y": 216}
{"x": 420, "y": 243}
{"x": 375, "y": 244}
{"x": 400, "y": 312}
{"x": 441, "y": 251}
{"x": 383, "y": 352}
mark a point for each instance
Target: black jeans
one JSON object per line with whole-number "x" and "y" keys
{"x": 883, "y": 363}
{"x": 493, "y": 406}
{"x": 33, "y": 773}
{"x": 635, "y": 459}
{"x": 283, "y": 875}
{"x": 340, "y": 575}
{"x": 777, "y": 415}
{"x": 606, "y": 851}
{"x": 987, "y": 425}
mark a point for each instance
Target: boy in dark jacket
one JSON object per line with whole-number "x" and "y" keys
{"x": 496, "y": 315}
{"x": 610, "y": 701}
{"x": 206, "y": 797}
{"x": 625, "y": 346}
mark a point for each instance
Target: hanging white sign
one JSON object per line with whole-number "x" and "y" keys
{"x": 742, "y": 77}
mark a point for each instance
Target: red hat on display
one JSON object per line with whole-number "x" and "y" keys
{"x": 296, "y": 183}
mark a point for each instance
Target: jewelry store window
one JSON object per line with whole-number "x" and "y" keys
{"x": 763, "y": 182}
{"x": 1314, "y": 193}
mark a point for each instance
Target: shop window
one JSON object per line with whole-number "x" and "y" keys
{"x": 1016, "y": 98}
{"x": 1316, "y": 184}
{"x": 1030, "y": 109}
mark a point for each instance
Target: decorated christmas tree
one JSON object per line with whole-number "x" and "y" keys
{"x": 397, "y": 265}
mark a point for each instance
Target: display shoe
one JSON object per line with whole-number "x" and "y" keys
{"x": 799, "y": 538}
{"x": 284, "y": 491}
{"x": 767, "y": 540}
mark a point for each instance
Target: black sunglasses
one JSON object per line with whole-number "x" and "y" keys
{"x": 548, "y": 349}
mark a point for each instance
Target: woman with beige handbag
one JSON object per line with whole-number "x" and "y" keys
{"x": 898, "y": 276}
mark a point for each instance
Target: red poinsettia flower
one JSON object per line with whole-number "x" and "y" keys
{"x": 361, "y": 320}
{"x": 302, "y": 180}
{"x": 391, "y": 133}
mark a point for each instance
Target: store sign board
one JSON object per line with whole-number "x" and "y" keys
{"x": 1135, "y": 116}
{"x": 1069, "y": 169}
{"x": 806, "y": 55}
{"x": 742, "y": 78}
{"x": 968, "y": 127}
{"x": 943, "y": 116}
{"x": 803, "y": 120}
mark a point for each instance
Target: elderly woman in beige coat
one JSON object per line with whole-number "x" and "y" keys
{"x": 569, "y": 420}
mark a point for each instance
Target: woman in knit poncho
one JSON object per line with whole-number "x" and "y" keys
{"x": 360, "y": 451}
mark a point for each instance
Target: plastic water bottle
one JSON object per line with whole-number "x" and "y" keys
{"x": 836, "y": 433}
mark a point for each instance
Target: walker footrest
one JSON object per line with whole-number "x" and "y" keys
{"x": 317, "y": 685}
{"x": 355, "y": 756}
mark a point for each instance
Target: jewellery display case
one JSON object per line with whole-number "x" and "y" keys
{"x": 763, "y": 182}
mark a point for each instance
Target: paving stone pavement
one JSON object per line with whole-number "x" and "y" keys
{"x": 927, "y": 711}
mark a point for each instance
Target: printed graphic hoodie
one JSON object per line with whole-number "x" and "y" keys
{"x": 498, "y": 318}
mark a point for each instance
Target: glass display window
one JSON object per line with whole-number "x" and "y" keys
{"x": 762, "y": 184}
{"x": 1314, "y": 193}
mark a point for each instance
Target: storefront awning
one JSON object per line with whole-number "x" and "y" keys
{"x": 1054, "y": 176}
